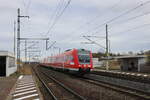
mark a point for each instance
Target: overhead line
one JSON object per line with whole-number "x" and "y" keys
{"x": 141, "y": 26}
{"x": 94, "y": 42}
{"x": 52, "y": 18}
{"x": 29, "y": 46}
{"x": 68, "y": 3}
{"x": 28, "y": 5}
{"x": 117, "y": 17}
{"x": 134, "y": 17}
{"x": 129, "y": 19}
{"x": 57, "y": 17}
{"x": 23, "y": 3}
{"x": 99, "y": 15}
{"x": 91, "y": 21}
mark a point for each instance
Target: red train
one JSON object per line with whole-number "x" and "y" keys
{"x": 79, "y": 60}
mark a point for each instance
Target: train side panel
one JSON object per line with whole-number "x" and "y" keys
{"x": 71, "y": 60}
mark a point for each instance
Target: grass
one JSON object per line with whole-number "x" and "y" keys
{"x": 15, "y": 74}
{"x": 110, "y": 68}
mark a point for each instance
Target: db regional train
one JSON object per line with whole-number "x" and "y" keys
{"x": 78, "y": 60}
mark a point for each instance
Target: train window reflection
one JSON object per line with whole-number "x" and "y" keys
{"x": 84, "y": 58}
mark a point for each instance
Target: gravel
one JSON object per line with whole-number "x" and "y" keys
{"x": 90, "y": 91}
{"x": 6, "y": 84}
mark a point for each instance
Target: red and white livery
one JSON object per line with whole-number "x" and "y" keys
{"x": 76, "y": 59}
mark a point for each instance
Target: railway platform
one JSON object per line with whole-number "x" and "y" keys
{"x": 136, "y": 76}
{"x": 123, "y": 72}
{"x": 25, "y": 89}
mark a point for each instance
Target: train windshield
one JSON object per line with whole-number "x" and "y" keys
{"x": 84, "y": 57}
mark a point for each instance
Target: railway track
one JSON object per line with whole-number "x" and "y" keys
{"x": 137, "y": 84}
{"x": 132, "y": 88}
{"x": 123, "y": 90}
{"x": 132, "y": 76}
{"x": 120, "y": 88}
{"x": 56, "y": 89}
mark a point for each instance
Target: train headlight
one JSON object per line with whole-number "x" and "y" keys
{"x": 71, "y": 63}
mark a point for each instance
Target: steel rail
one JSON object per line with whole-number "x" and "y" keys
{"x": 125, "y": 76}
{"x": 48, "y": 89}
{"x": 127, "y": 87}
{"x": 122, "y": 89}
{"x": 65, "y": 87}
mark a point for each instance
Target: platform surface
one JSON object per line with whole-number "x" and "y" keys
{"x": 6, "y": 84}
{"x": 25, "y": 89}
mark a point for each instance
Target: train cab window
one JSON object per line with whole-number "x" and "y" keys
{"x": 84, "y": 57}
{"x": 71, "y": 58}
{"x": 68, "y": 58}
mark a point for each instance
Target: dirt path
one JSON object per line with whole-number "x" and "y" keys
{"x": 26, "y": 69}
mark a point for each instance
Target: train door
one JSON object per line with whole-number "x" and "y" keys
{"x": 63, "y": 62}
{"x": 2, "y": 66}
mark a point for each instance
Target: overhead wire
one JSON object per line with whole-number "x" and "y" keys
{"x": 119, "y": 16}
{"x": 134, "y": 17}
{"x": 107, "y": 21}
{"x": 137, "y": 27}
{"x": 23, "y": 2}
{"x": 94, "y": 42}
{"x": 26, "y": 9}
{"x": 55, "y": 13}
{"x": 131, "y": 29}
{"x": 58, "y": 17}
{"x": 28, "y": 6}
{"x": 29, "y": 46}
{"x": 54, "y": 16}
{"x": 116, "y": 17}
{"x": 95, "y": 18}
{"x": 128, "y": 19}
{"x": 100, "y": 15}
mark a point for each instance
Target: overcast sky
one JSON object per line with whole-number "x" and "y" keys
{"x": 129, "y": 32}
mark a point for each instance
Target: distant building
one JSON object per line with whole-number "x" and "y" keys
{"x": 113, "y": 64}
{"x": 97, "y": 63}
{"x": 7, "y": 63}
{"x": 136, "y": 63}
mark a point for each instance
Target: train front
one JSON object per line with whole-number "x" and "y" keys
{"x": 85, "y": 63}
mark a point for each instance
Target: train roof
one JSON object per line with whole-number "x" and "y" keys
{"x": 76, "y": 49}
{"x": 69, "y": 51}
